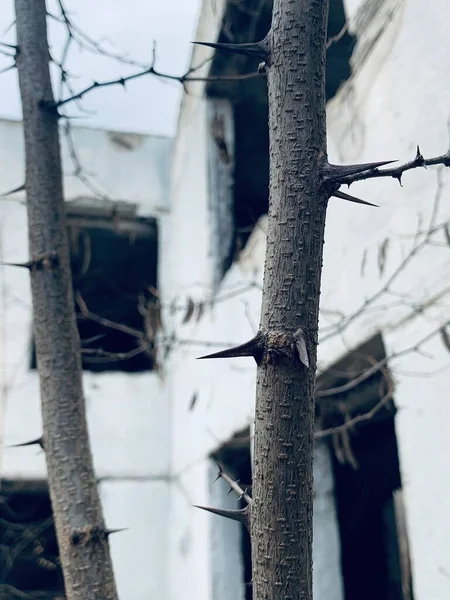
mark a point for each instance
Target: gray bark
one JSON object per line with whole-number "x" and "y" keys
{"x": 80, "y": 528}
{"x": 281, "y": 520}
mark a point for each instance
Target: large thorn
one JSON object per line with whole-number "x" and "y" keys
{"x": 336, "y": 172}
{"x": 26, "y": 265}
{"x": 21, "y": 188}
{"x": 81, "y": 537}
{"x": 256, "y": 49}
{"x": 47, "y": 261}
{"x": 254, "y": 348}
{"x": 12, "y": 46}
{"x": 242, "y": 515}
{"x": 109, "y": 532}
{"x": 344, "y": 196}
{"x": 38, "y": 441}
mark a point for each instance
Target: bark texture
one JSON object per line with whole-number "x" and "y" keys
{"x": 80, "y": 528}
{"x": 281, "y": 523}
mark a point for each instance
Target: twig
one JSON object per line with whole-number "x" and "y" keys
{"x": 379, "y": 365}
{"x": 397, "y": 172}
{"x": 318, "y": 435}
{"x": 335, "y": 38}
{"x": 79, "y": 171}
{"x": 85, "y": 312}
{"x": 151, "y": 71}
{"x": 357, "y": 380}
{"x": 103, "y": 356}
{"x": 75, "y": 34}
{"x": 234, "y": 485}
{"x": 84, "y": 41}
{"x": 385, "y": 289}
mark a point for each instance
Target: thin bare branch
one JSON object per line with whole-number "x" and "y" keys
{"x": 380, "y": 365}
{"x": 103, "y": 356}
{"x": 79, "y": 172}
{"x": 397, "y": 172}
{"x": 386, "y": 289}
{"x": 234, "y": 485}
{"x": 318, "y": 435}
{"x": 85, "y": 312}
{"x": 335, "y": 38}
{"x": 150, "y": 71}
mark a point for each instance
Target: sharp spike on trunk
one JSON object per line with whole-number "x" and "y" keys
{"x": 21, "y": 188}
{"x": 109, "y": 532}
{"x": 344, "y": 196}
{"x": 38, "y": 441}
{"x": 253, "y": 348}
{"x": 12, "y": 46}
{"x": 26, "y": 265}
{"x": 336, "y": 172}
{"x": 90, "y": 533}
{"x": 257, "y": 49}
{"x": 242, "y": 515}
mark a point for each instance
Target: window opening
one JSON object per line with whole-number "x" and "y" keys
{"x": 374, "y": 545}
{"x": 29, "y": 563}
{"x": 113, "y": 256}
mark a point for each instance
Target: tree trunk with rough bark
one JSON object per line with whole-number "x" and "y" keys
{"x": 281, "y": 511}
{"x": 79, "y": 522}
{"x": 285, "y": 347}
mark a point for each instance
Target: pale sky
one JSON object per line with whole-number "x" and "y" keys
{"x": 126, "y": 27}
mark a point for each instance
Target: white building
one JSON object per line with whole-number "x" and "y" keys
{"x": 114, "y": 244}
{"x": 381, "y": 519}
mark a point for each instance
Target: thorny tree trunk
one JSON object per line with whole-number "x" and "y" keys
{"x": 281, "y": 515}
{"x": 77, "y": 510}
{"x": 285, "y": 347}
